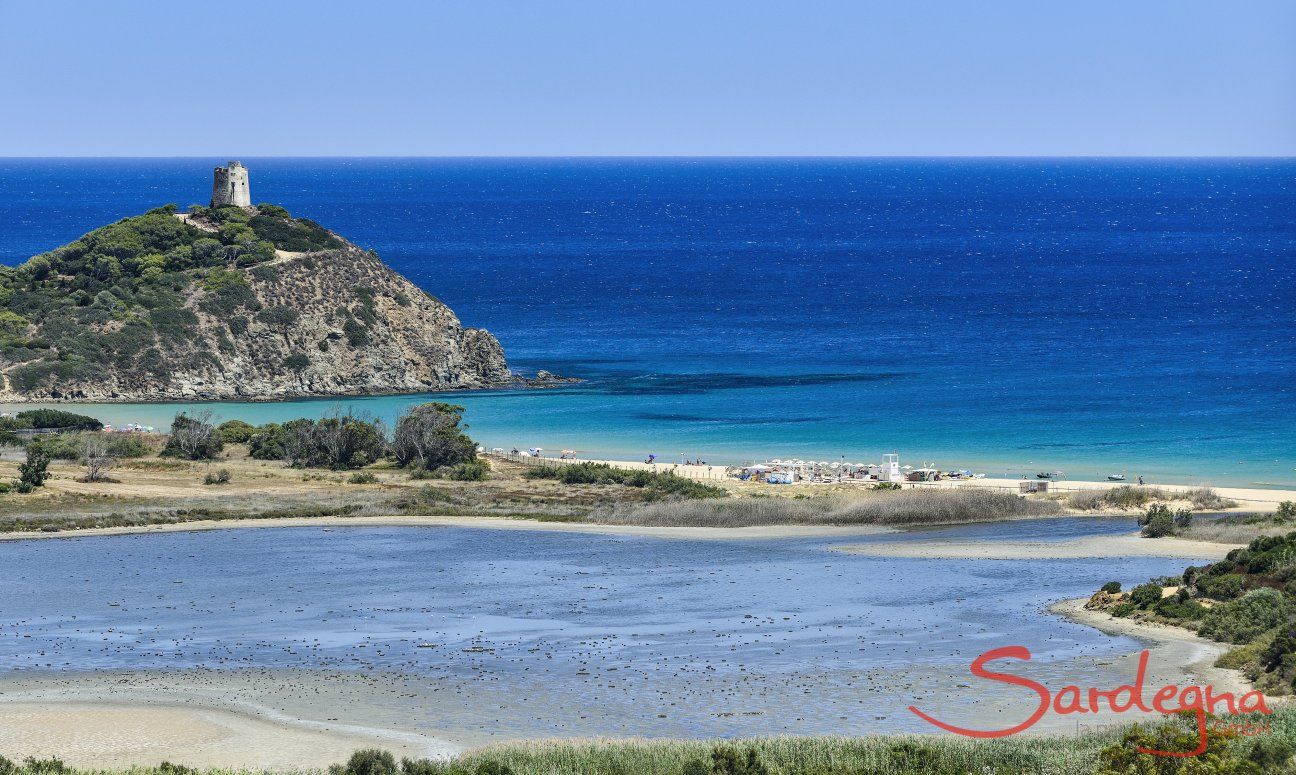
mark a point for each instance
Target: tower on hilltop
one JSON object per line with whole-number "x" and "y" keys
{"x": 230, "y": 186}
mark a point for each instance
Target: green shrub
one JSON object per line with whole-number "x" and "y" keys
{"x": 1145, "y": 595}
{"x": 50, "y": 766}
{"x": 1158, "y": 522}
{"x": 1112, "y": 587}
{"x": 1224, "y": 587}
{"x": 657, "y": 484}
{"x": 471, "y": 471}
{"x": 356, "y": 334}
{"x": 1180, "y": 607}
{"x": 58, "y": 446}
{"x": 1241, "y": 620}
{"x": 235, "y": 431}
{"x": 341, "y": 442}
{"x": 1123, "y": 609}
{"x": 728, "y": 760}
{"x": 126, "y": 445}
{"x": 362, "y": 477}
{"x": 280, "y": 316}
{"x": 299, "y": 236}
{"x": 223, "y": 476}
{"x": 1179, "y": 734}
{"x": 370, "y": 761}
{"x": 1286, "y": 511}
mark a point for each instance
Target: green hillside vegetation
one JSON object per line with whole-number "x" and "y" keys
{"x": 117, "y": 296}
{"x": 1247, "y": 599}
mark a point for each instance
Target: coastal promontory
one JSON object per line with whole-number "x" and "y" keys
{"x": 227, "y": 302}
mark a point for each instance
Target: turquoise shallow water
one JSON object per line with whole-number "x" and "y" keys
{"x": 1091, "y": 316}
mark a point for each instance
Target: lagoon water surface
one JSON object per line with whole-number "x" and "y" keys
{"x": 475, "y": 634}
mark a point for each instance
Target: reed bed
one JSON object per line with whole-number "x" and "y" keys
{"x": 883, "y": 755}
{"x": 875, "y": 755}
{"x": 904, "y": 507}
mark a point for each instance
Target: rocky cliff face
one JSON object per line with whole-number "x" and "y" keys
{"x": 333, "y": 322}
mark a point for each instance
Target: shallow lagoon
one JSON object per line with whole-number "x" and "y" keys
{"x": 472, "y": 634}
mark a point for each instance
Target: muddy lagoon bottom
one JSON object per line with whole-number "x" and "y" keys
{"x": 435, "y": 639}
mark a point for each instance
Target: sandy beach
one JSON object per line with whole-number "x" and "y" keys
{"x": 103, "y": 734}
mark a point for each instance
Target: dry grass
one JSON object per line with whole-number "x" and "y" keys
{"x": 1236, "y": 528}
{"x": 1133, "y": 497}
{"x": 1123, "y": 497}
{"x": 1206, "y": 499}
{"x": 905, "y": 507}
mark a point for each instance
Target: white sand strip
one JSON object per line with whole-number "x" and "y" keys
{"x": 1090, "y": 547}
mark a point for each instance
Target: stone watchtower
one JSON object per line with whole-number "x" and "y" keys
{"x": 230, "y": 186}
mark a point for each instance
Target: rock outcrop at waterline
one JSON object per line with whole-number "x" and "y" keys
{"x": 227, "y": 303}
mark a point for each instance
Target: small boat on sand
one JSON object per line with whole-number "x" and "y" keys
{"x": 1116, "y": 477}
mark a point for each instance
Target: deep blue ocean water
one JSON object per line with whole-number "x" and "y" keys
{"x": 1092, "y": 316}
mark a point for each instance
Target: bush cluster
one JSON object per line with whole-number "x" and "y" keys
{"x": 1250, "y": 599}
{"x": 658, "y": 484}
{"x": 72, "y": 446}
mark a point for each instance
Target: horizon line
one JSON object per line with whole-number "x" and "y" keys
{"x": 672, "y": 156}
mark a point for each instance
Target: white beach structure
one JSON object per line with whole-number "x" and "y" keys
{"x": 889, "y": 471}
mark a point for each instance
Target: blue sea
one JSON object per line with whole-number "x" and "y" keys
{"x": 1009, "y": 315}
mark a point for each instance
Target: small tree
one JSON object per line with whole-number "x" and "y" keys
{"x": 429, "y": 436}
{"x": 347, "y": 441}
{"x": 33, "y": 471}
{"x": 193, "y": 437}
{"x": 1158, "y": 522}
{"x": 97, "y": 458}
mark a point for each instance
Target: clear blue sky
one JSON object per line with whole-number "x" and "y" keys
{"x": 553, "y": 77}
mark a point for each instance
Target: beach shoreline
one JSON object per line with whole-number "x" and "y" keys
{"x": 1173, "y": 645}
